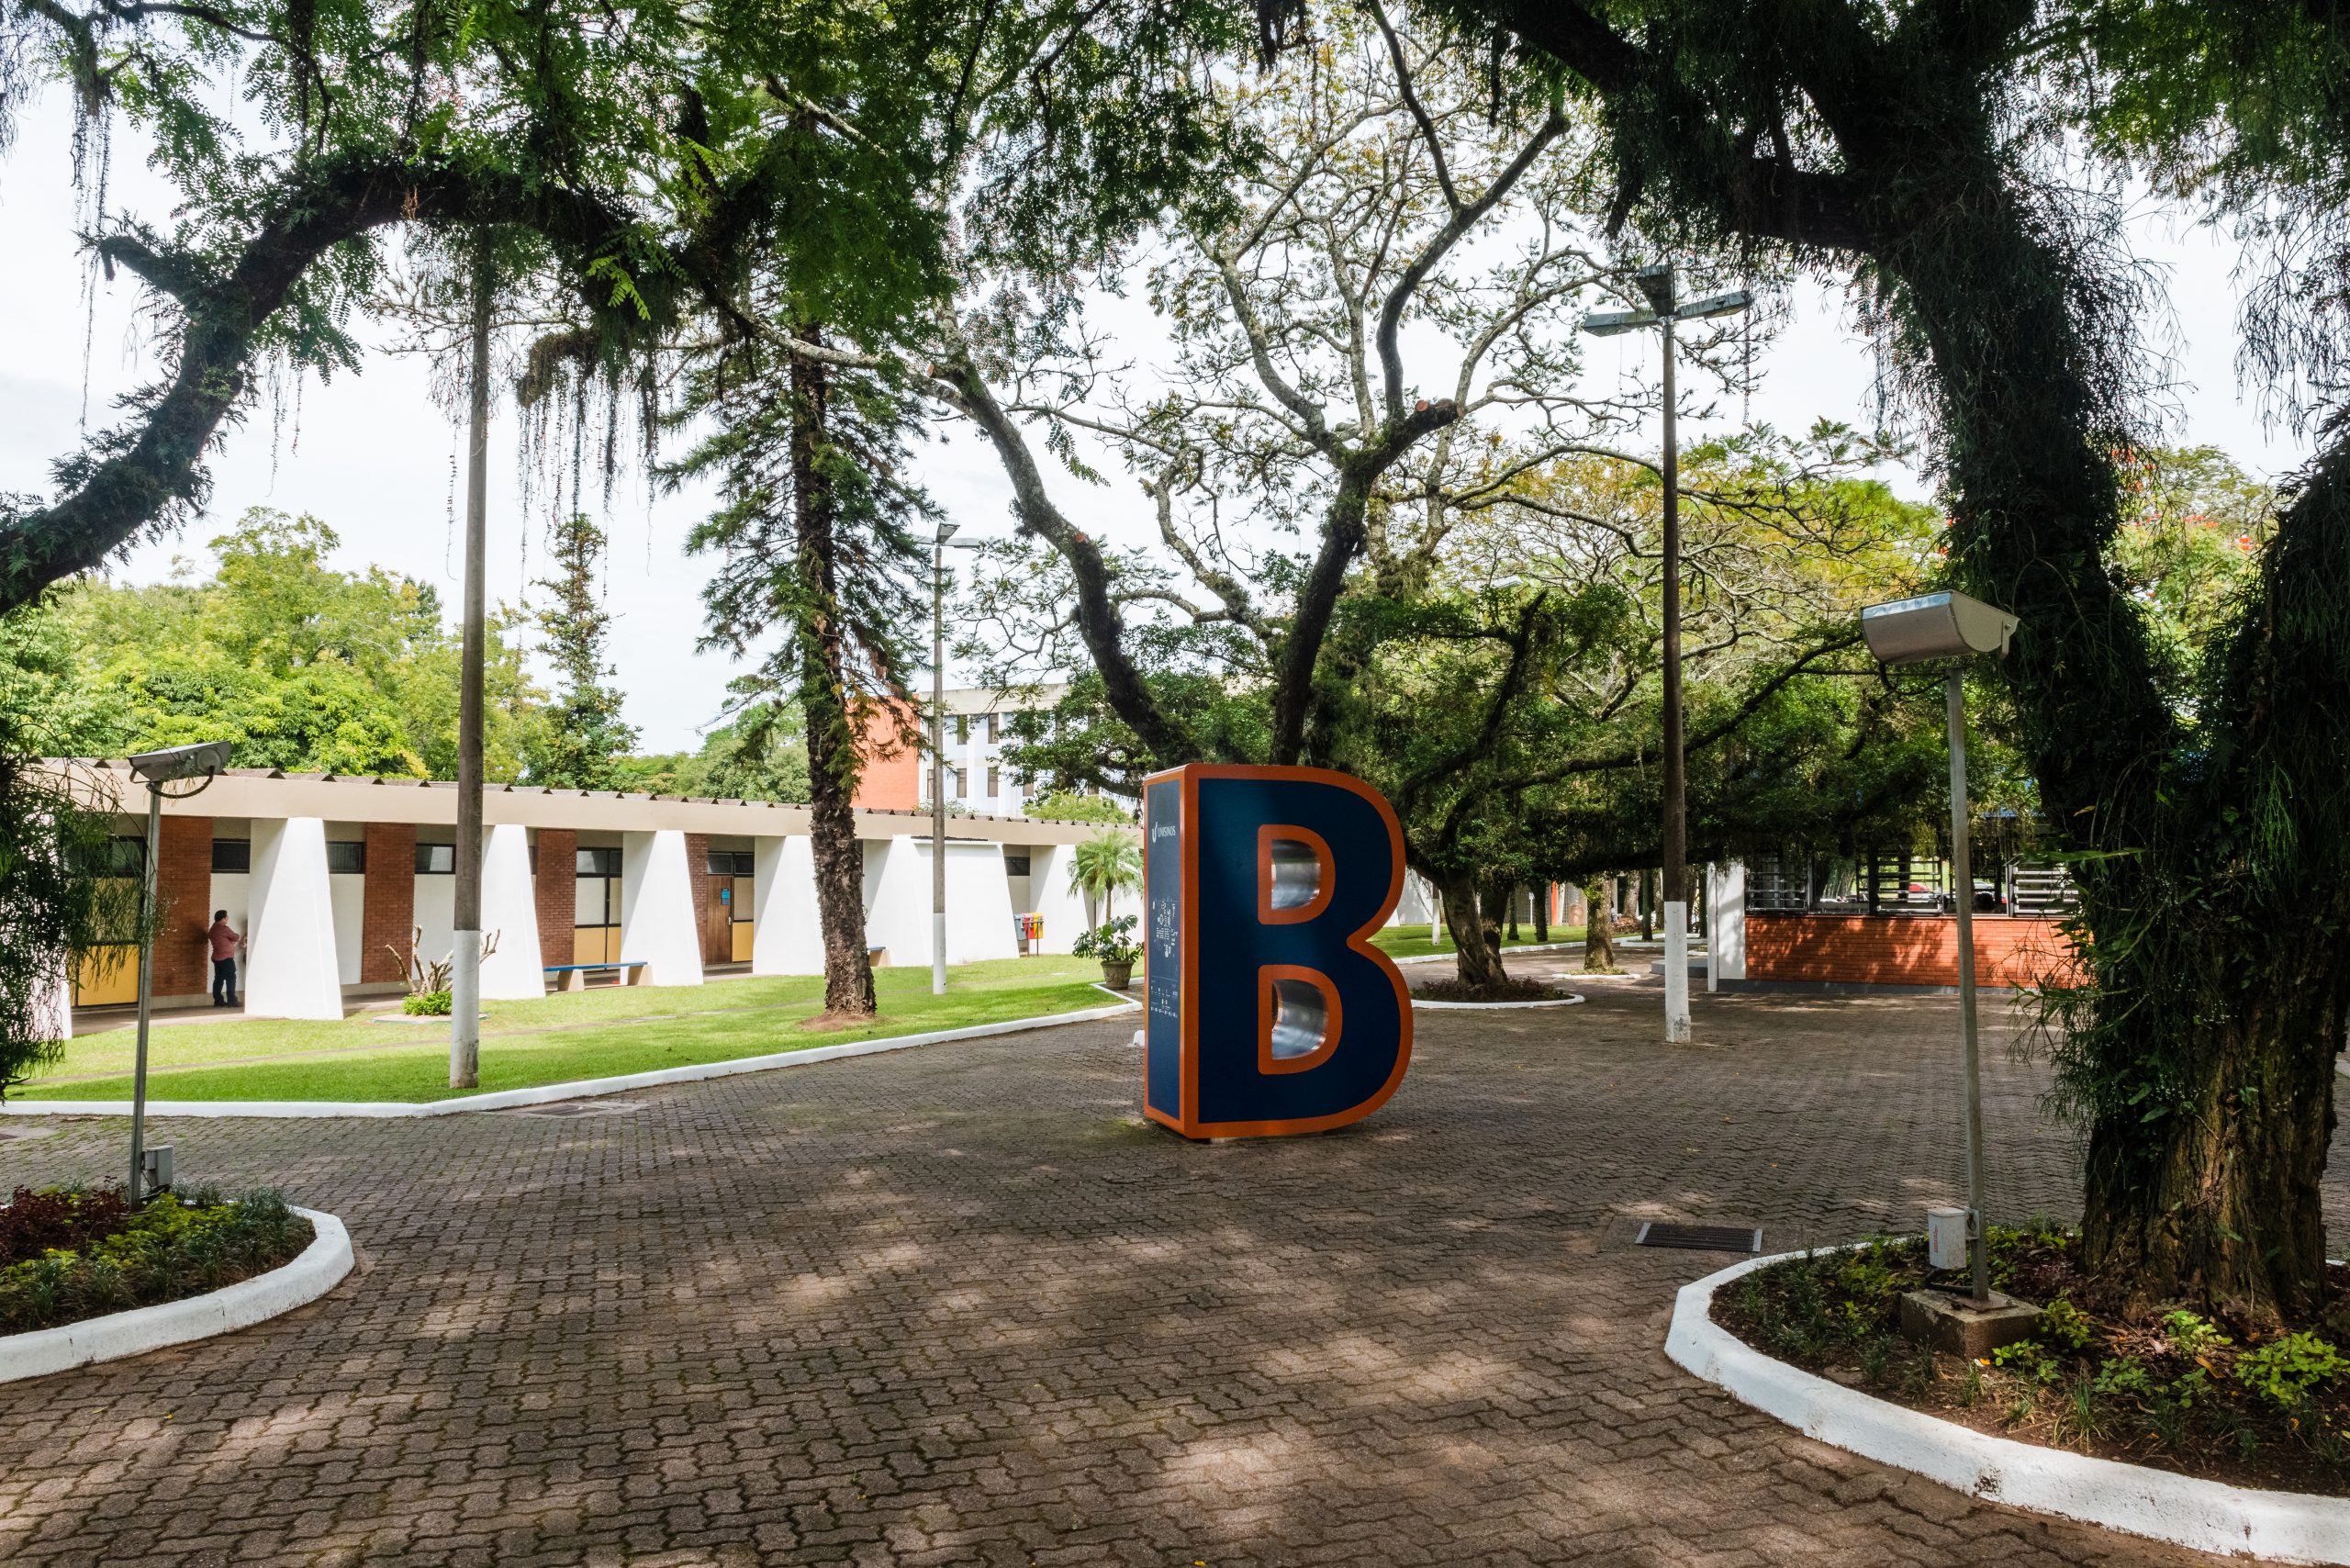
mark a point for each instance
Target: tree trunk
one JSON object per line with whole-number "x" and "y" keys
{"x": 2224, "y": 1207}
{"x": 1476, "y": 960}
{"x": 1542, "y": 912}
{"x": 1512, "y": 897}
{"x": 1648, "y": 906}
{"x": 826, "y": 700}
{"x": 1598, "y": 930}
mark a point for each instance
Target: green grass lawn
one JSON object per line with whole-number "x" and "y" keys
{"x": 1412, "y": 941}
{"x": 570, "y": 1036}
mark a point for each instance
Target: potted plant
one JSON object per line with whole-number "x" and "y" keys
{"x": 1113, "y": 941}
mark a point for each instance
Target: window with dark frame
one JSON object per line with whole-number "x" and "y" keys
{"x": 348, "y": 857}
{"x": 232, "y": 854}
{"x": 436, "y": 860}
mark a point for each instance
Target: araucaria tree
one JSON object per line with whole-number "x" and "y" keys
{"x": 585, "y": 730}
{"x": 1906, "y": 147}
{"x": 817, "y": 575}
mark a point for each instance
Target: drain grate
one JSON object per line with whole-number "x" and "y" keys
{"x": 575, "y": 1108}
{"x": 1700, "y": 1237}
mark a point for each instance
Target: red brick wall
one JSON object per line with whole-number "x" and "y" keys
{"x": 184, "y": 892}
{"x": 557, "y": 888}
{"x": 1893, "y": 949}
{"x": 387, "y": 902}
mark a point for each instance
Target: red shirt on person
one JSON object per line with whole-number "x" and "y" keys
{"x": 223, "y": 937}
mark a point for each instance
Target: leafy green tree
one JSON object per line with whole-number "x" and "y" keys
{"x": 59, "y": 898}
{"x": 1902, "y": 147}
{"x": 584, "y": 735}
{"x": 304, "y": 666}
{"x": 1070, "y": 806}
{"x": 725, "y": 768}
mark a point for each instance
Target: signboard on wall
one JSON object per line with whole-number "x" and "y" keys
{"x": 1268, "y": 1009}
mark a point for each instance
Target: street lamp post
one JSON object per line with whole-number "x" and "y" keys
{"x": 1657, "y": 283}
{"x": 158, "y": 768}
{"x": 1911, "y": 630}
{"x": 938, "y": 548}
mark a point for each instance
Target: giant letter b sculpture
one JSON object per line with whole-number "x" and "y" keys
{"x": 1270, "y": 1010}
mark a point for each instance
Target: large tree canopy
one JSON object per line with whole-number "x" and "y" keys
{"x": 1909, "y": 148}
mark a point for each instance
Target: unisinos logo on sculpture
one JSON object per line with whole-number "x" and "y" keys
{"x": 1271, "y": 1012}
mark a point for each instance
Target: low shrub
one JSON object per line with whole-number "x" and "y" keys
{"x": 34, "y": 1222}
{"x": 113, "y": 1258}
{"x": 429, "y": 1004}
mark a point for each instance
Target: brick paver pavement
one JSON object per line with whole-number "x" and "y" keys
{"x": 957, "y": 1306}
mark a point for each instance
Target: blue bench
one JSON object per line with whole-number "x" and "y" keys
{"x": 574, "y": 976}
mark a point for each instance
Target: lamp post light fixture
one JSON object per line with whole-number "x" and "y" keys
{"x": 1913, "y": 630}
{"x": 202, "y": 760}
{"x": 1664, "y": 310}
{"x": 939, "y": 545}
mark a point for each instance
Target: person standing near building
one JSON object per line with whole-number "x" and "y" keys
{"x": 224, "y": 942}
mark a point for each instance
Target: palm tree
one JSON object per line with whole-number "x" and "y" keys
{"x": 1104, "y": 864}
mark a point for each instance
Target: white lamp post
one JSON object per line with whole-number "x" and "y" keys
{"x": 938, "y": 548}
{"x": 1657, "y": 283}
{"x": 1912, "y": 631}
{"x": 158, "y": 767}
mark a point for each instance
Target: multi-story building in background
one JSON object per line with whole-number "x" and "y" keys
{"x": 978, "y": 779}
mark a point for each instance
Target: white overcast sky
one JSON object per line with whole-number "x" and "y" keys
{"x": 372, "y": 454}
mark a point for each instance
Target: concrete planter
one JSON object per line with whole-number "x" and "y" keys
{"x": 2210, "y": 1516}
{"x": 316, "y": 1270}
{"x": 1116, "y": 976}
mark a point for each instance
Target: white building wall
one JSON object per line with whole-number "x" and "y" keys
{"x": 347, "y": 893}
{"x": 291, "y": 970}
{"x": 1726, "y": 920}
{"x": 787, "y": 934}
{"x": 978, "y": 902}
{"x": 510, "y": 906}
{"x": 660, "y": 927}
{"x": 897, "y": 899}
{"x": 1417, "y": 904}
{"x": 231, "y": 891}
{"x": 1049, "y": 895}
{"x": 436, "y": 917}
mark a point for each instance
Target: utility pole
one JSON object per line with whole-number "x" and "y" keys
{"x": 464, "y": 972}
{"x": 938, "y": 760}
{"x": 1664, "y": 310}
{"x": 938, "y": 547}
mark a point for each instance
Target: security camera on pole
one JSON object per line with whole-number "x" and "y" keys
{"x": 1656, "y": 283}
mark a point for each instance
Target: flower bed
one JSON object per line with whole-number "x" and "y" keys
{"x": 66, "y": 1256}
{"x": 2216, "y": 1400}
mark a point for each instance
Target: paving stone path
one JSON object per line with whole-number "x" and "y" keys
{"x": 957, "y": 1305}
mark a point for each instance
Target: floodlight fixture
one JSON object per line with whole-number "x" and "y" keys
{"x": 181, "y": 761}
{"x": 1607, "y": 323}
{"x": 947, "y": 530}
{"x": 1936, "y": 626}
{"x": 1729, "y": 304}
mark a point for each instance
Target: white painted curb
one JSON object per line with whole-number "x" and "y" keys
{"x": 2280, "y": 1527}
{"x": 316, "y": 1270}
{"x": 1496, "y": 1006}
{"x": 544, "y": 1094}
